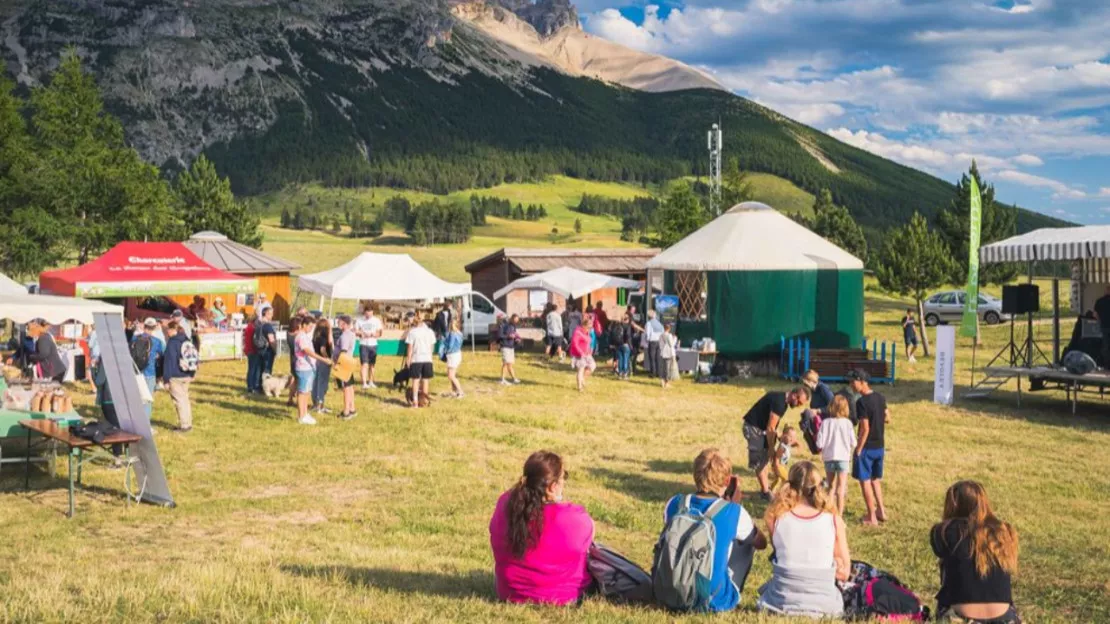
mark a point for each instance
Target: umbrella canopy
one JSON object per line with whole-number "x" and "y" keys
{"x": 391, "y": 277}
{"x": 754, "y": 237}
{"x": 23, "y": 308}
{"x": 8, "y": 286}
{"x": 568, "y": 282}
{"x": 144, "y": 269}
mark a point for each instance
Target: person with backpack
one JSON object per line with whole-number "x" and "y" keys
{"x": 146, "y": 350}
{"x": 540, "y": 542}
{"x": 707, "y": 536}
{"x": 620, "y": 340}
{"x": 179, "y": 368}
{"x": 978, "y": 555}
{"x": 810, "y": 543}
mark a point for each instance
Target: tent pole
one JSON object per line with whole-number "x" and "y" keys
{"x": 331, "y": 307}
{"x": 1055, "y": 321}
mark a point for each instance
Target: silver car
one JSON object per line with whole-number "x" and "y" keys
{"x": 948, "y": 306}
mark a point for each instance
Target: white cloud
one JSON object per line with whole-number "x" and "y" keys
{"x": 1104, "y": 191}
{"x": 1028, "y": 160}
{"x": 1058, "y": 188}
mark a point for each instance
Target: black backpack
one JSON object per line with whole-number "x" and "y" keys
{"x": 141, "y": 347}
{"x": 617, "y": 578}
{"x": 259, "y": 338}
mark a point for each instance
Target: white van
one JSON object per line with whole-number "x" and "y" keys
{"x": 478, "y": 320}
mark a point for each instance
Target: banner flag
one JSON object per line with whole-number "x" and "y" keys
{"x": 943, "y": 382}
{"x": 969, "y": 326}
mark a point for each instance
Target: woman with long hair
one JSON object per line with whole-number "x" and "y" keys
{"x": 323, "y": 341}
{"x": 811, "y": 548}
{"x": 978, "y": 554}
{"x": 451, "y": 351}
{"x": 540, "y": 543}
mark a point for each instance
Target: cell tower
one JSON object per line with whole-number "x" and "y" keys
{"x": 715, "y": 147}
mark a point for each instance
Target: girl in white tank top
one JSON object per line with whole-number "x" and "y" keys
{"x": 805, "y": 542}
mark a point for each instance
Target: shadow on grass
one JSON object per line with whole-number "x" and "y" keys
{"x": 255, "y": 408}
{"x": 667, "y": 465}
{"x": 645, "y": 488}
{"x": 475, "y": 584}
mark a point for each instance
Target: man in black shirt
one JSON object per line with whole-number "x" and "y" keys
{"x": 871, "y": 448}
{"x": 760, "y": 425}
{"x": 1102, "y": 311}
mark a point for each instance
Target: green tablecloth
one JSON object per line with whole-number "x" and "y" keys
{"x": 9, "y": 421}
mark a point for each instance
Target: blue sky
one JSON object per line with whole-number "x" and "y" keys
{"x": 1023, "y": 86}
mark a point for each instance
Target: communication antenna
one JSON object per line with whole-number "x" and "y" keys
{"x": 715, "y": 147}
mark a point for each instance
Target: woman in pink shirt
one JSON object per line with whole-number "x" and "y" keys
{"x": 540, "y": 543}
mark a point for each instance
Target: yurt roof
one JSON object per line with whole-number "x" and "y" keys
{"x": 228, "y": 255}
{"x": 754, "y": 237}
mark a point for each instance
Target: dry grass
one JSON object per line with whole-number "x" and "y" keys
{"x": 384, "y": 518}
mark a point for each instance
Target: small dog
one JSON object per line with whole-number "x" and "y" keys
{"x": 401, "y": 379}
{"x": 425, "y": 400}
{"x": 274, "y": 385}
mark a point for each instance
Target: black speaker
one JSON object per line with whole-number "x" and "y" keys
{"x": 1021, "y": 299}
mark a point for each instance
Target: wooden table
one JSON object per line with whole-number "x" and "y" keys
{"x": 77, "y": 447}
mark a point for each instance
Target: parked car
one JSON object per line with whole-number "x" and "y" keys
{"x": 948, "y": 306}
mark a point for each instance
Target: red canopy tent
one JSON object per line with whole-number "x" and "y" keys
{"x": 144, "y": 269}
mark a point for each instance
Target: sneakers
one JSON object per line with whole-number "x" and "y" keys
{"x": 516, "y": 382}
{"x": 320, "y": 409}
{"x": 459, "y": 395}
{"x": 372, "y": 385}
{"x": 306, "y": 420}
{"x": 366, "y": 385}
{"x": 505, "y": 382}
{"x": 347, "y": 416}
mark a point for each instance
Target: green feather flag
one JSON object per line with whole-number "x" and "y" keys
{"x": 969, "y": 326}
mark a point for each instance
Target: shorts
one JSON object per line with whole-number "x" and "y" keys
{"x": 305, "y": 379}
{"x": 421, "y": 370}
{"x": 946, "y": 614}
{"x": 508, "y": 355}
{"x": 454, "y": 359}
{"x": 368, "y": 354}
{"x": 343, "y": 384}
{"x": 911, "y": 341}
{"x": 833, "y": 467}
{"x": 757, "y": 446}
{"x": 869, "y": 465}
{"x": 586, "y": 362}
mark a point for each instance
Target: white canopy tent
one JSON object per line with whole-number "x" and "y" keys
{"x": 753, "y": 237}
{"x": 568, "y": 282}
{"x": 1074, "y": 243}
{"x": 8, "y": 287}
{"x": 23, "y": 308}
{"x": 382, "y": 277}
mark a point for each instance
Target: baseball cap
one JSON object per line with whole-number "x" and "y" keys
{"x": 178, "y": 314}
{"x": 858, "y": 374}
{"x": 150, "y": 322}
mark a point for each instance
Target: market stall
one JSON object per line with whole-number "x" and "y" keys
{"x": 140, "y": 277}
{"x": 273, "y": 274}
{"x": 381, "y": 277}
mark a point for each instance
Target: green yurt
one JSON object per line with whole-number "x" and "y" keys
{"x": 753, "y": 276}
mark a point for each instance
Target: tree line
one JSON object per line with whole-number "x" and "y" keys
{"x": 71, "y": 187}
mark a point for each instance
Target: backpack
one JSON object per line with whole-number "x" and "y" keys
{"x": 872, "y": 593}
{"x": 618, "y": 579}
{"x": 1079, "y": 363}
{"x": 683, "y": 564}
{"x": 259, "y": 338}
{"x": 141, "y": 347}
{"x": 810, "y": 426}
{"x": 190, "y": 357}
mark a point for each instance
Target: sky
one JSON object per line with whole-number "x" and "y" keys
{"x": 1021, "y": 86}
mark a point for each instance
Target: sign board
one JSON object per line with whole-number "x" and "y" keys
{"x": 537, "y": 300}
{"x": 943, "y": 383}
{"x": 220, "y": 345}
{"x": 666, "y": 306}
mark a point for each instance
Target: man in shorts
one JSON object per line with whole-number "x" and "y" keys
{"x": 508, "y": 338}
{"x": 421, "y": 341}
{"x": 760, "y": 426}
{"x": 369, "y": 329}
{"x": 870, "y": 453}
{"x": 345, "y": 381}
{"x": 909, "y": 334}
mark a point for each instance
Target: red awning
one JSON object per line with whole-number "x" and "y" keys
{"x": 144, "y": 269}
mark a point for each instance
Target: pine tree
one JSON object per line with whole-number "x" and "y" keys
{"x": 680, "y": 215}
{"x": 286, "y": 218}
{"x": 913, "y": 261}
{"x": 998, "y": 222}
{"x": 205, "y": 203}
{"x": 735, "y": 187}
{"x": 836, "y": 225}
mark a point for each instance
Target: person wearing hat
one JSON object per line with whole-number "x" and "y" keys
{"x": 45, "y": 355}
{"x": 182, "y": 324}
{"x": 870, "y": 451}
{"x": 146, "y": 341}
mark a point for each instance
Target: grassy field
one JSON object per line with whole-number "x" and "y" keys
{"x": 384, "y": 519}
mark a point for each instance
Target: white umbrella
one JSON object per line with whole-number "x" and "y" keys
{"x": 568, "y": 282}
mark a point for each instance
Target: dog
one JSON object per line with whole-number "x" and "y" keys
{"x": 274, "y": 385}
{"x": 425, "y": 400}
{"x": 401, "y": 379}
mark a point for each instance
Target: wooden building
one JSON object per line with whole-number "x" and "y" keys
{"x": 273, "y": 274}
{"x": 491, "y": 273}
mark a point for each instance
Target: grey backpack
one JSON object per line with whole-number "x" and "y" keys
{"x": 683, "y": 565}
{"x": 1079, "y": 363}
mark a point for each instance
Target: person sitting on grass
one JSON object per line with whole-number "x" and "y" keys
{"x": 837, "y": 440}
{"x": 870, "y": 452}
{"x": 737, "y": 537}
{"x": 540, "y": 542}
{"x": 811, "y": 549}
{"x": 978, "y": 555}
{"x": 581, "y": 352}
{"x": 760, "y": 424}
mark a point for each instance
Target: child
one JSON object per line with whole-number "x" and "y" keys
{"x": 668, "y": 364}
{"x": 909, "y": 334}
{"x": 837, "y": 439}
{"x": 787, "y": 441}
{"x": 870, "y": 454}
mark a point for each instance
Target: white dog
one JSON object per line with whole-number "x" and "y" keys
{"x": 274, "y": 385}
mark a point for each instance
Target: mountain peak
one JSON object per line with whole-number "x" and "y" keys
{"x": 548, "y": 17}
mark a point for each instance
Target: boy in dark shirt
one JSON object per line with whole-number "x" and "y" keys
{"x": 760, "y": 424}
{"x": 871, "y": 448}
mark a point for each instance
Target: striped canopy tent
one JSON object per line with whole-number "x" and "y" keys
{"x": 1074, "y": 243}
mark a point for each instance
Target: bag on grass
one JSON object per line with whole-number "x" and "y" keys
{"x": 683, "y": 565}
{"x": 618, "y": 579}
{"x": 872, "y": 593}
